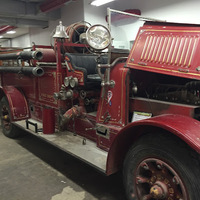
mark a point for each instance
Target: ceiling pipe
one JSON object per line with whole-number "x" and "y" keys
{"x": 50, "y": 5}
{"x": 6, "y": 28}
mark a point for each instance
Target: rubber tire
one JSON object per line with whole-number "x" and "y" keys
{"x": 169, "y": 149}
{"x": 13, "y": 132}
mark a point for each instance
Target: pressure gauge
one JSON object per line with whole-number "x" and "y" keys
{"x": 73, "y": 82}
{"x": 66, "y": 81}
{"x": 98, "y": 37}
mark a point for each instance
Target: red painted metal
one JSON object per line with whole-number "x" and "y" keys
{"x": 72, "y": 113}
{"x": 46, "y": 87}
{"x": 186, "y": 128}
{"x": 49, "y": 55}
{"x": 159, "y": 108}
{"x": 159, "y": 49}
{"x": 50, "y": 5}
{"x": 84, "y": 127}
{"x": 17, "y": 102}
{"x": 170, "y": 49}
{"x": 115, "y": 102}
{"x": 48, "y": 119}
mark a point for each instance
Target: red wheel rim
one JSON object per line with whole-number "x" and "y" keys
{"x": 155, "y": 179}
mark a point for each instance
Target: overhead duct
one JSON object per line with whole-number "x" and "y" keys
{"x": 50, "y": 5}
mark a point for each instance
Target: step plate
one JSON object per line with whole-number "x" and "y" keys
{"x": 75, "y": 145}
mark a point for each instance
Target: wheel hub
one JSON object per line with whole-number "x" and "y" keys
{"x": 158, "y": 190}
{"x": 156, "y": 179}
{"x": 5, "y": 120}
{"x": 5, "y": 117}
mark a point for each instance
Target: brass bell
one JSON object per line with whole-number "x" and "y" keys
{"x": 60, "y": 31}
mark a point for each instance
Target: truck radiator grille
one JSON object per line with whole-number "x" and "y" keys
{"x": 169, "y": 49}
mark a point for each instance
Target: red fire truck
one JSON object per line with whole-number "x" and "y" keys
{"x": 134, "y": 111}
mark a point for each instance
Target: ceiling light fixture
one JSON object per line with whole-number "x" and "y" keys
{"x": 100, "y": 2}
{"x": 1, "y": 36}
{"x": 11, "y": 32}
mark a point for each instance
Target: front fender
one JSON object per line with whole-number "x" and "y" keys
{"x": 17, "y": 102}
{"x": 186, "y": 128}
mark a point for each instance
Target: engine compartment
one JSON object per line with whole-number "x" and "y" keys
{"x": 165, "y": 87}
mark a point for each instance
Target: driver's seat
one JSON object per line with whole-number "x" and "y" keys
{"x": 87, "y": 64}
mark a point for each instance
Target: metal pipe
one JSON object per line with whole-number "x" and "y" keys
{"x": 72, "y": 113}
{"x": 113, "y": 63}
{"x": 36, "y": 71}
{"x": 49, "y": 55}
{"x": 24, "y": 55}
{"x": 106, "y": 80}
{"x": 138, "y": 16}
{"x": 109, "y": 28}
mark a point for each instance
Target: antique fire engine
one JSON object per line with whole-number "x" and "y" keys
{"x": 138, "y": 111}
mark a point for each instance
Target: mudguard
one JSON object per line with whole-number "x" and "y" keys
{"x": 17, "y": 102}
{"x": 186, "y": 128}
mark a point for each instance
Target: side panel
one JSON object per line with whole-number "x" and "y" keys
{"x": 18, "y": 104}
{"x": 186, "y": 128}
{"x": 47, "y": 87}
{"x": 112, "y": 112}
{"x": 26, "y": 83}
{"x": 114, "y": 103}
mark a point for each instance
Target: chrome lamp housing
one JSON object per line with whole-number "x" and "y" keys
{"x": 98, "y": 37}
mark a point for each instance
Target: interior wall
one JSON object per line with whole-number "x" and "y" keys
{"x": 93, "y": 14}
{"x": 6, "y": 43}
{"x": 182, "y": 11}
{"x": 68, "y": 16}
{"x": 42, "y": 36}
{"x": 21, "y": 41}
{"x": 172, "y": 10}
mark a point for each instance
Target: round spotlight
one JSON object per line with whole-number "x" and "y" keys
{"x": 98, "y": 37}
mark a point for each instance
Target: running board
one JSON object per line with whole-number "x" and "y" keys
{"x": 75, "y": 145}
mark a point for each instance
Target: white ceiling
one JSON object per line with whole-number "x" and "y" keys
{"x": 19, "y": 32}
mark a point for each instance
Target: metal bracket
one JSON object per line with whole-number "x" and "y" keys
{"x": 33, "y": 124}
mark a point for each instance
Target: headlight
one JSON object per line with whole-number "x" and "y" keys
{"x": 98, "y": 37}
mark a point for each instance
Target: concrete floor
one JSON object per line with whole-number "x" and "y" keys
{"x": 31, "y": 169}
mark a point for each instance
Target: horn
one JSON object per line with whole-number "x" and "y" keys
{"x": 60, "y": 31}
